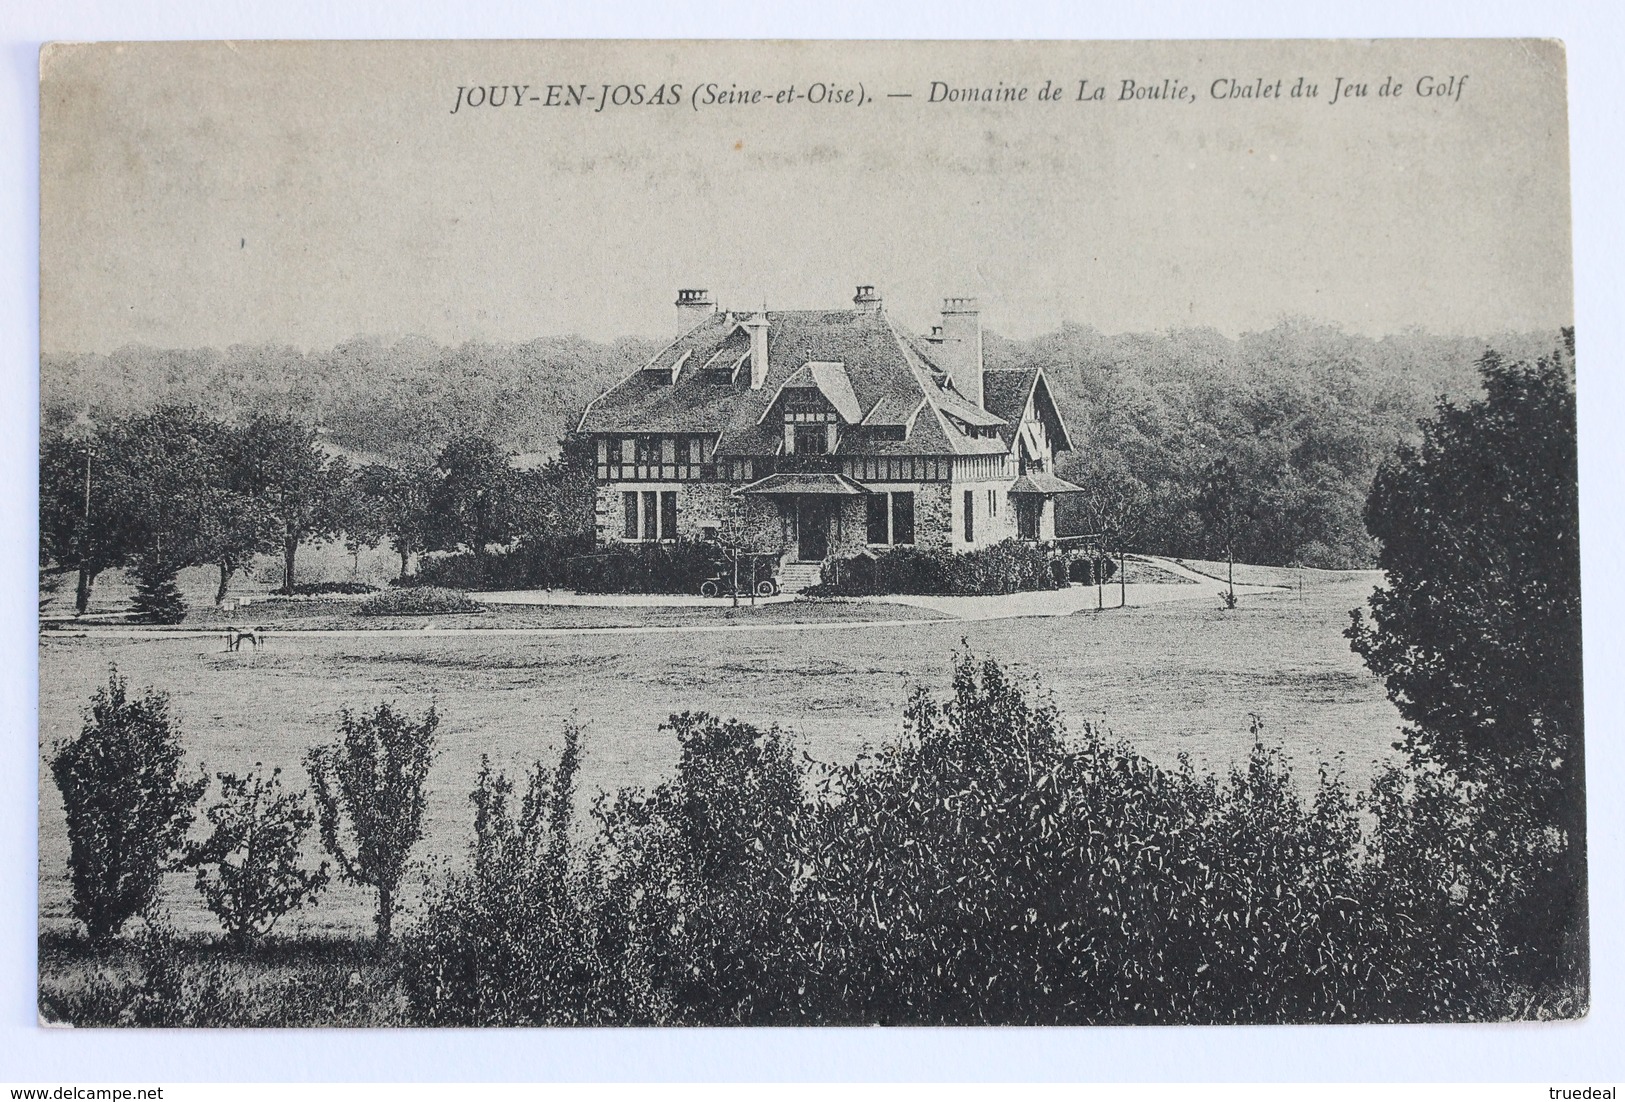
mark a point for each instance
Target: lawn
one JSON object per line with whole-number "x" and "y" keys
{"x": 1176, "y": 677}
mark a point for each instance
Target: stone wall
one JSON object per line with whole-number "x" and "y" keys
{"x": 990, "y": 526}
{"x": 769, "y": 524}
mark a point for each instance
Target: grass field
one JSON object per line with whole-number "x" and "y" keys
{"x": 1175, "y": 677}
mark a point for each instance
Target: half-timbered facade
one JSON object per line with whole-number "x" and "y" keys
{"x": 826, "y": 433}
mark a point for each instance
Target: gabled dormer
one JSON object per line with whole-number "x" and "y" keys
{"x": 813, "y": 407}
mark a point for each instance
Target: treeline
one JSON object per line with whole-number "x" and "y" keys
{"x": 400, "y": 400}
{"x": 174, "y": 487}
{"x": 1295, "y": 419}
{"x": 1193, "y": 443}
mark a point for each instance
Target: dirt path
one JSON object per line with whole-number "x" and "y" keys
{"x": 1053, "y": 602}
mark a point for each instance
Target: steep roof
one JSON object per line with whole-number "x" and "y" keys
{"x": 1007, "y": 392}
{"x": 882, "y": 379}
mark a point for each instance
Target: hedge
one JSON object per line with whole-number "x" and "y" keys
{"x": 1010, "y": 566}
{"x": 677, "y": 567}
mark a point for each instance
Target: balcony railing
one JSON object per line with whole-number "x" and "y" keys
{"x": 808, "y": 464}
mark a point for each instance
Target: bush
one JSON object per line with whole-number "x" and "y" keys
{"x": 323, "y": 589}
{"x": 1010, "y": 566}
{"x": 988, "y": 868}
{"x": 506, "y": 942}
{"x": 677, "y": 567}
{"x": 253, "y": 850}
{"x": 157, "y": 597}
{"x": 533, "y": 562}
{"x": 419, "y": 601}
{"x": 373, "y": 778}
{"x": 127, "y": 808}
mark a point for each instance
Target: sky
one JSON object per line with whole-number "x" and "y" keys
{"x": 212, "y": 194}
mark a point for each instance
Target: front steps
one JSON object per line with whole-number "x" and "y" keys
{"x": 796, "y": 576}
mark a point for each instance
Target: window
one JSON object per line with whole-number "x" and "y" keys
{"x": 902, "y": 517}
{"x": 651, "y": 517}
{"x": 1028, "y": 509}
{"x": 970, "y": 516}
{"x": 668, "y": 514}
{"x": 668, "y": 449}
{"x": 694, "y": 454}
{"x": 891, "y": 517}
{"x": 811, "y": 440}
{"x": 878, "y": 518}
{"x": 628, "y": 446}
{"x": 650, "y": 514}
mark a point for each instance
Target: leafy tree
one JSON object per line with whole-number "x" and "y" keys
{"x": 71, "y": 535}
{"x": 373, "y": 779}
{"x": 127, "y": 807}
{"x": 280, "y": 464}
{"x": 137, "y": 491}
{"x": 1226, "y": 506}
{"x": 472, "y": 503}
{"x": 248, "y": 869}
{"x": 1114, "y": 501}
{"x": 1477, "y": 629}
{"x": 397, "y": 500}
{"x": 235, "y": 522}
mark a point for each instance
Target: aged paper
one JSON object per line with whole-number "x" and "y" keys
{"x": 808, "y": 533}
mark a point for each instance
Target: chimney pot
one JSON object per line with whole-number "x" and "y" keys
{"x": 866, "y": 300}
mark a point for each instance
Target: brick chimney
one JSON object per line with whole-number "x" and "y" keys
{"x": 757, "y": 326}
{"x": 866, "y": 301}
{"x": 959, "y": 345}
{"x": 694, "y": 305}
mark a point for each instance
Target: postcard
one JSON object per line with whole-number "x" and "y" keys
{"x": 808, "y": 533}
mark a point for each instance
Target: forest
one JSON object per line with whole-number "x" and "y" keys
{"x": 1294, "y": 421}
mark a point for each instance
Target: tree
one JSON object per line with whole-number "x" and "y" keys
{"x": 236, "y": 523}
{"x": 157, "y": 597}
{"x": 373, "y": 778}
{"x": 280, "y": 463}
{"x": 1114, "y": 502}
{"x": 1226, "y": 507}
{"x": 127, "y": 808}
{"x": 71, "y": 536}
{"x": 397, "y": 500}
{"x": 1476, "y": 631}
{"x": 253, "y": 852}
{"x": 472, "y": 503}
{"x": 135, "y": 492}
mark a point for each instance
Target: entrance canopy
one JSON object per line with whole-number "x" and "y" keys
{"x": 1042, "y": 482}
{"x": 836, "y": 485}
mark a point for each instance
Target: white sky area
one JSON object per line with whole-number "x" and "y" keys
{"x": 304, "y": 194}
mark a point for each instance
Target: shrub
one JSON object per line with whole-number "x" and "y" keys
{"x": 419, "y": 601}
{"x": 989, "y": 867}
{"x": 373, "y": 778}
{"x": 253, "y": 852}
{"x": 507, "y": 942}
{"x": 157, "y": 598}
{"x": 127, "y": 808}
{"x": 1009, "y": 566}
{"x": 677, "y": 567}
{"x": 322, "y": 589}
{"x": 533, "y": 562}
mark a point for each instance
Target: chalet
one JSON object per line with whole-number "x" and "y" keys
{"x": 820, "y": 433}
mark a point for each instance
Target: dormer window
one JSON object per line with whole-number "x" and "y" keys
{"x": 810, "y": 440}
